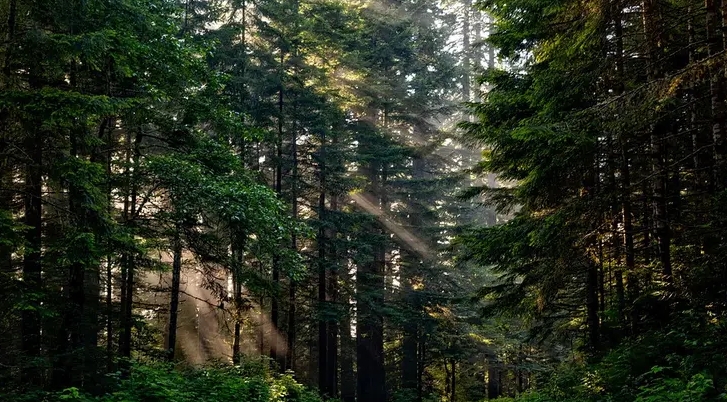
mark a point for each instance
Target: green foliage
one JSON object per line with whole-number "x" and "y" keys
{"x": 249, "y": 382}
{"x": 684, "y": 364}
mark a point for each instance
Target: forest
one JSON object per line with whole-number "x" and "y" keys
{"x": 363, "y": 200}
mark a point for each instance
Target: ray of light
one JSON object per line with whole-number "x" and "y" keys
{"x": 413, "y": 242}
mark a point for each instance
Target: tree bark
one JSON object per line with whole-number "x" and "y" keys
{"x": 174, "y": 304}
{"x": 652, "y": 31}
{"x": 592, "y": 305}
{"x": 275, "y": 354}
{"x": 466, "y": 51}
{"x": 129, "y": 260}
{"x": 348, "y": 344}
{"x": 323, "y": 375}
{"x": 30, "y": 317}
{"x": 493, "y": 378}
{"x": 238, "y": 261}
{"x": 369, "y": 321}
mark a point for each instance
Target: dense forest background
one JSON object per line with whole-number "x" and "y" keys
{"x": 392, "y": 200}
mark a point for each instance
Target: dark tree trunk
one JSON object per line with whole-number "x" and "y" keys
{"x": 493, "y": 378}
{"x": 409, "y": 346}
{"x": 421, "y": 365}
{"x": 332, "y": 344}
{"x": 174, "y": 304}
{"x": 129, "y": 259}
{"x": 10, "y": 38}
{"x": 369, "y": 321}
{"x": 30, "y": 317}
{"x": 348, "y": 344}
{"x": 238, "y": 261}
{"x": 453, "y": 395}
{"x": 275, "y": 353}
{"x": 408, "y": 272}
{"x": 290, "y": 355}
{"x": 592, "y": 305}
{"x": 447, "y": 380}
{"x": 715, "y": 44}
{"x": 652, "y": 31}
{"x": 323, "y": 375}
{"x": 110, "y": 145}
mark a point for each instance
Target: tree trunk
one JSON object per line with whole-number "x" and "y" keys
{"x": 332, "y": 343}
{"x": 493, "y": 378}
{"x": 408, "y": 272}
{"x": 290, "y": 355}
{"x": 652, "y": 31}
{"x": 238, "y": 260}
{"x": 466, "y": 51}
{"x": 369, "y": 321}
{"x": 592, "y": 305}
{"x": 421, "y": 365}
{"x": 323, "y": 375}
{"x": 30, "y": 317}
{"x": 453, "y": 396}
{"x": 348, "y": 344}
{"x": 275, "y": 354}
{"x": 447, "y": 380}
{"x": 129, "y": 259}
{"x": 715, "y": 44}
{"x": 10, "y": 39}
{"x": 174, "y": 304}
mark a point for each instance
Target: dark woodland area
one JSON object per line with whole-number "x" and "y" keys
{"x": 363, "y": 200}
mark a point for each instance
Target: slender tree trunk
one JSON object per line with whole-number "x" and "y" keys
{"x": 477, "y": 55}
{"x": 601, "y": 280}
{"x": 261, "y": 322}
{"x": 466, "y": 51}
{"x": 348, "y": 346}
{"x": 174, "y": 304}
{"x": 290, "y": 355}
{"x": 652, "y": 31}
{"x": 616, "y": 242}
{"x": 447, "y": 380}
{"x": 333, "y": 321}
{"x": 128, "y": 280}
{"x": 592, "y": 305}
{"x": 275, "y": 354}
{"x": 490, "y": 48}
{"x": 323, "y": 375}
{"x": 408, "y": 273}
{"x": 238, "y": 260}
{"x": 453, "y": 395}
{"x": 493, "y": 378}
{"x": 369, "y": 321}
{"x": 625, "y": 184}
{"x": 7, "y": 193}
{"x": 628, "y": 228}
{"x": 332, "y": 343}
{"x": 30, "y": 317}
{"x": 109, "y": 315}
{"x": 69, "y": 371}
{"x": 715, "y": 44}
{"x": 421, "y": 364}
{"x": 409, "y": 363}
{"x": 646, "y": 228}
{"x": 109, "y": 259}
{"x": 10, "y": 39}
{"x": 9, "y": 331}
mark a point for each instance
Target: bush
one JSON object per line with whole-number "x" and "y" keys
{"x": 684, "y": 363}
{"x": 250, "y": 382}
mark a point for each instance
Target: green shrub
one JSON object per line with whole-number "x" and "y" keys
{"x": 250, "y": 382}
